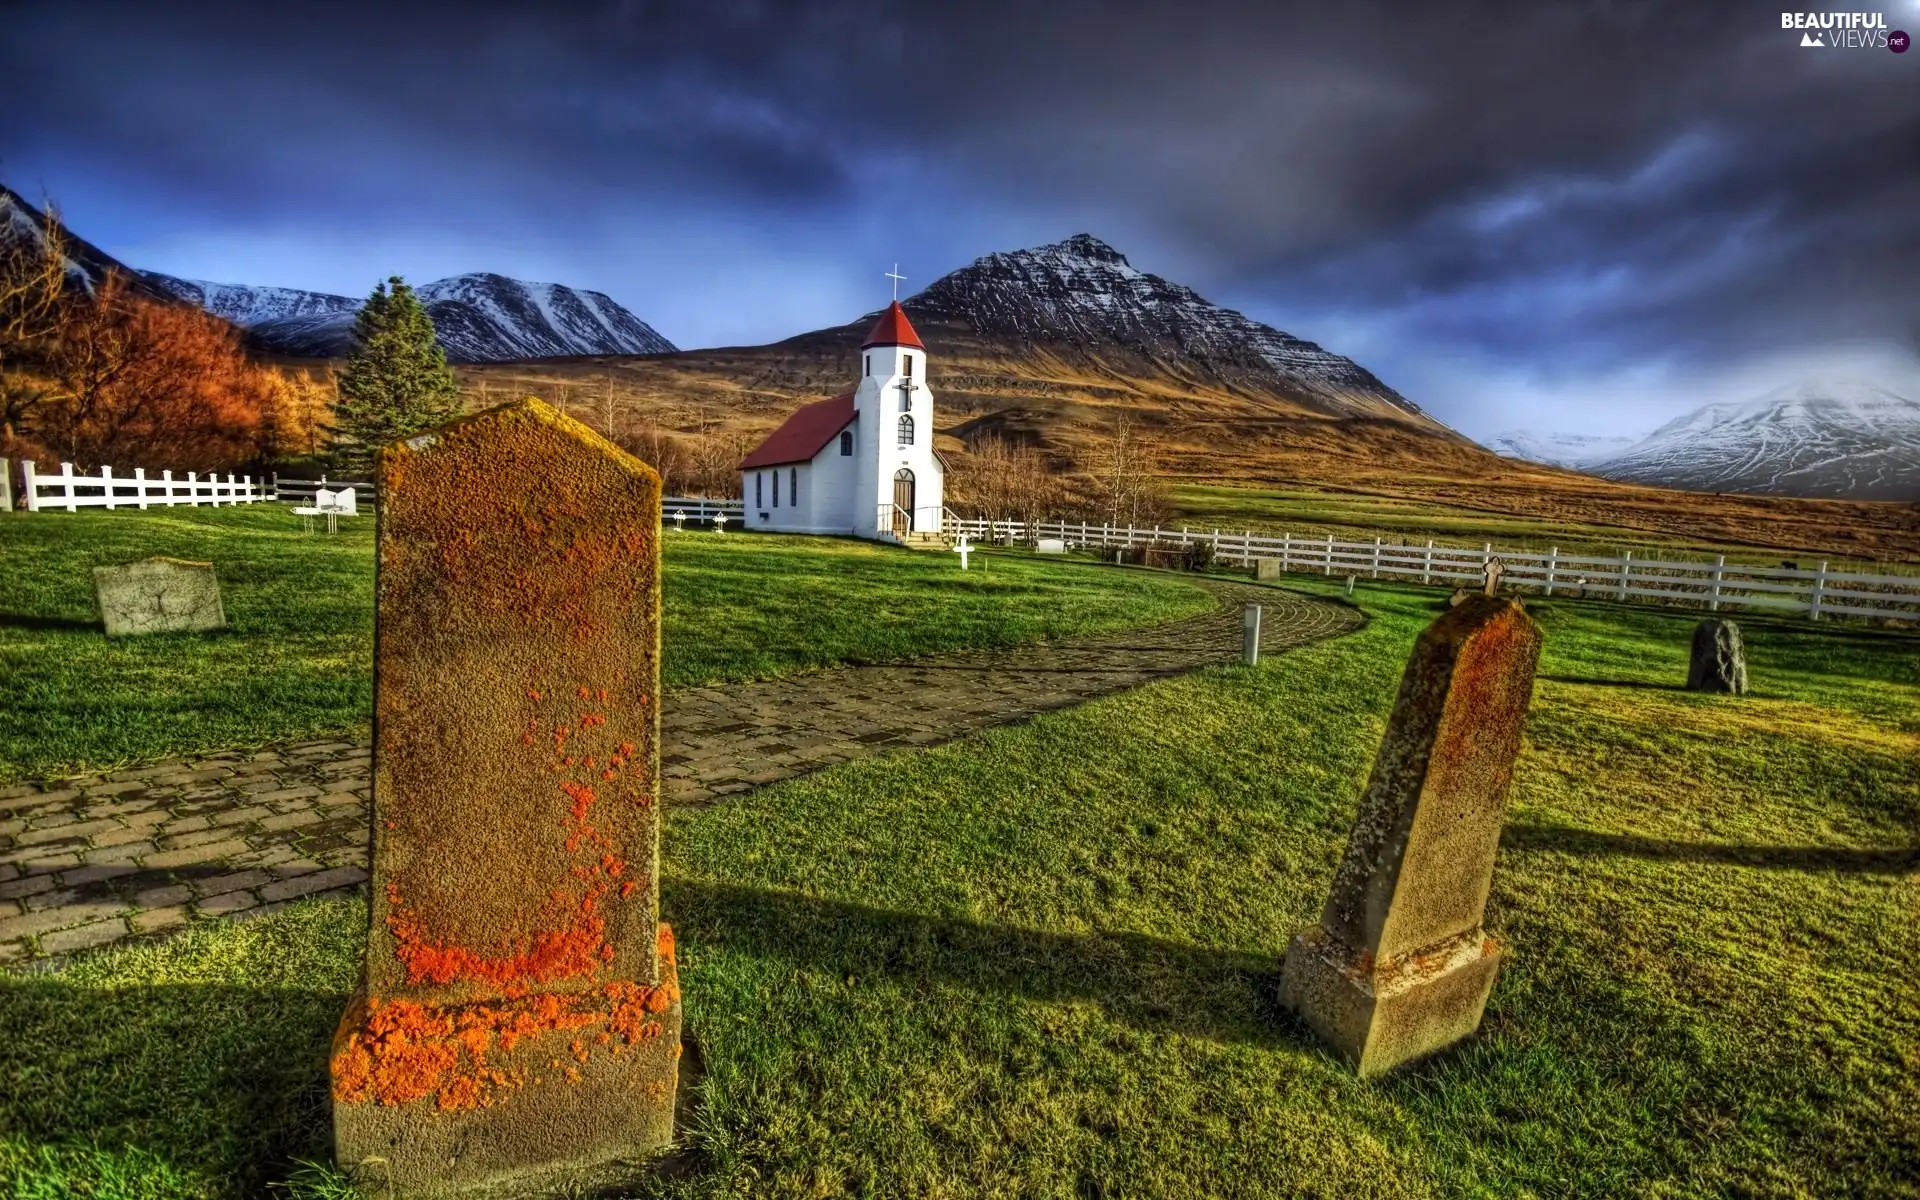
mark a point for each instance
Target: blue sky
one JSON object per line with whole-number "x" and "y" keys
{"x": 1573, "y": 216}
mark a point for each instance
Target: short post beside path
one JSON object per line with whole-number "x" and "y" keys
{"x": 1250, "y": 635}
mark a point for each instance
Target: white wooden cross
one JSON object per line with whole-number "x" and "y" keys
{"x": 963, "y": 550}
{"x": 679, "y": 519}
{"x": 896, "y": 277}
{"x": 719, "y": 522}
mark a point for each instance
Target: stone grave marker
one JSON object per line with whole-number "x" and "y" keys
{"x": 1399, "y": 966}
{"x": 1051, "y": 546}
{"x": 1348, "y": 590}
{"x": 159, "y": 595}
{"x": 1460, "y": 596}
{"x": 519, "y": 1013}
{"x": 1250, "y": 635}
{"x": 1493, "y": 570}
{"x": 1266, "y": 568}
{"x": 1719, "y": 659}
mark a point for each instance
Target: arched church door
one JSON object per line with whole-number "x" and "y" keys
{"x": 903, "y": 501}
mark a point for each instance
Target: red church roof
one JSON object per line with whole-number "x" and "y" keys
{"x": 893, "y": 329}
{"x": 805, "y": 433}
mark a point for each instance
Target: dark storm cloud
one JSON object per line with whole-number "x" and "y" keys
{"x": 1567, "y": 183}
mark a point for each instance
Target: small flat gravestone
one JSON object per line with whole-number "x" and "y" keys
{"x": 1050, "y": 546}
{"x": 1266, "y": 568}
{"x": 1399, "y": 966}
{"x": 1719, "y": 661}
{"x": 159, "y": 595}
{"x": 519, "y": 1014}
{"x": 1460, "y": 596}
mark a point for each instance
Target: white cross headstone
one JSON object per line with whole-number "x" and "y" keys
{"x": 679, "y": 519}
{"x": 719, "y": 522}
{"x": 963, "y": 550}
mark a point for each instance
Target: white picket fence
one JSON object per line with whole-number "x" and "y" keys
{"x": 73, "y": 492}
{"x": 1711, "y": 585}
{"x": 307, "y": 491}
{"x": 694, "y": 510}
{"x": 679, "y": 510}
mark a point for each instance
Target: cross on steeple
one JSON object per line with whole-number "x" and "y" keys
{"x": 896, "y": 277}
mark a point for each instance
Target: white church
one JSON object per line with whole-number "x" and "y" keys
{"x": 862, "y": 463}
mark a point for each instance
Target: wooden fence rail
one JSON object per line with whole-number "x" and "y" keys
{"x": 1711, "y": 585}
{"x": 71, "y": 492}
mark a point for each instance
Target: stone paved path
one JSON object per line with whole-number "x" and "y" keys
{"x": 89, "y": 861}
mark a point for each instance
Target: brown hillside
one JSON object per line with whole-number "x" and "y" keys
{"x": 1063, "y": 398}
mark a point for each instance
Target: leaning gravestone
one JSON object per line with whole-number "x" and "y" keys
{"x": 1719, "y": 660}
{"x": 519, "y": 1014}
{"x": 1399, "y": 966}
{"x": 159, "y": 595}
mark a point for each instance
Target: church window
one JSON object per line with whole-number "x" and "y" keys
{"x": 776, "y": 487}
{"x": 906, "y": 430}
{"x": 908, "y": 369}
{"x": 759, "y": 494}
{"x": 869, "y": 364}
{"x": 793, "y": 485}
{"x": 846, "y": 444}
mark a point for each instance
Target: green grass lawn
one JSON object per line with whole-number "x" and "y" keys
{"x": 298, "y": 659}
{"x": 1042, "y": 961}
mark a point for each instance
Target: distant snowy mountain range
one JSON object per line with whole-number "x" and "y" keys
{"x": 480, "y": 317}
{"x": 1819, "y": 438}
{"x": 1574, "y": 450}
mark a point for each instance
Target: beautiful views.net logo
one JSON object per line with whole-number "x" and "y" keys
{"x": 1846, "y": 30}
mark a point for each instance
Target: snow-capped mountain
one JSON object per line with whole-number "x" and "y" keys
{"x": 1572, "y": 450}
{"x": 1082, "y": 293}
{"x": 480, "y": 317}
{"x": 248, "y": 306}
{"x": 1851, "y": 439}
{"x": 87, "y": 264}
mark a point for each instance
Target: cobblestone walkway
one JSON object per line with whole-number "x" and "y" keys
{"x": 89, "y": 861}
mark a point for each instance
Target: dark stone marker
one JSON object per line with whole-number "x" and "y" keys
{"x": 1399, "y": 966}
{"x": 520, "y": 1012}
{"x": 1719, "y": 662}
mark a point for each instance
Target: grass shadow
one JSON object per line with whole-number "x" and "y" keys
{"x": 29, "y": 621}
{"x": 1563, "y": 840}
{"x": 1594, "y": 681}
{"x": 1146, "y": 982}
{"x": 165, "y": 1084}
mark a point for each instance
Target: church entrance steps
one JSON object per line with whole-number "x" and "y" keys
{"x": 95, "y": 860}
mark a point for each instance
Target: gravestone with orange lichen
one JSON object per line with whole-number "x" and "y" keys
{"x": 1399, "y": 966}
{"x": 520, "y": 1015}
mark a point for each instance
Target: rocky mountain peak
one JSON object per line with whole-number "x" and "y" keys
{"x": 1082, "y": 295}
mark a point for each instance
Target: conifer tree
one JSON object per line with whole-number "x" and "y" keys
{"x": 396, "y": 381}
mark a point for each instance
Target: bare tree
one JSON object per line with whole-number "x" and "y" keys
{"x": 1123, "y": 469}
{"x": 714, "y": 458}
{"x": 1000, "y": 480}
{"x": 33, "y": 286}
{"x": 660, "y": 449}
